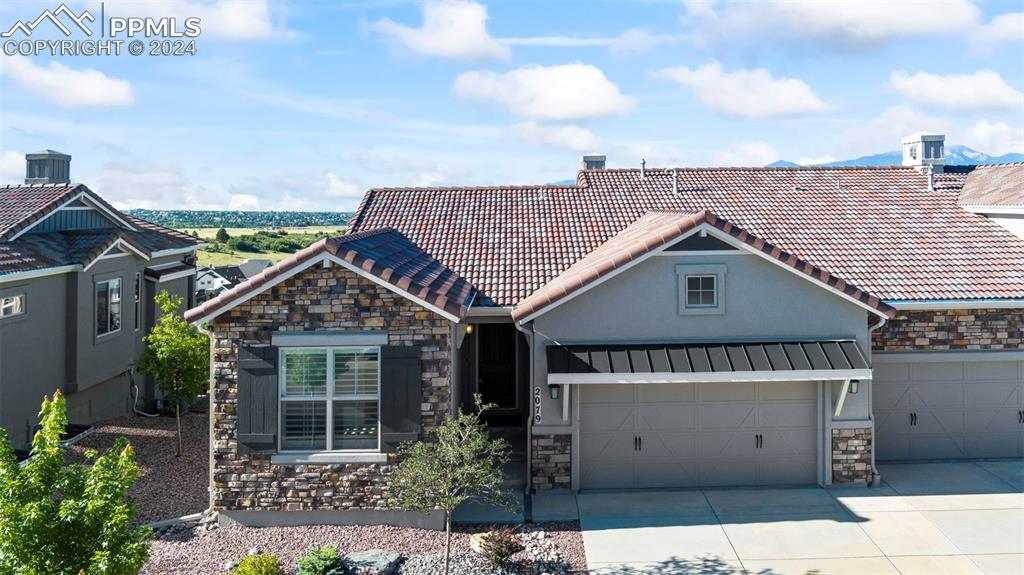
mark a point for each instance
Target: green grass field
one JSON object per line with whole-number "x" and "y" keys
{"x": 210, "y": 258}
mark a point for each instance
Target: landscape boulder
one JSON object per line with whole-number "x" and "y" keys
{"x": 375, "y": 561}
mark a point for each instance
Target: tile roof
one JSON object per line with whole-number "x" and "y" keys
{"x": 384, "y": 253}
{"x": 878, "y": 228}
{"x": 994, "y": 185}
{"x": 652, "y": 231}
{"x": 22, "y": 206}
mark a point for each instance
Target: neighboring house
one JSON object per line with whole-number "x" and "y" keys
{"x": 997, "y": 192}
{"x": 213, "y": 281}
{"x": 643, "y": 328}
{"x": 77, "y": 280}
{"x": 251, "y": 267}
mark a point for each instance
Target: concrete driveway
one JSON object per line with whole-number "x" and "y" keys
{"x": 926, "y": 518}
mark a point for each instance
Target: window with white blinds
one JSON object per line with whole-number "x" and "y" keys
{"x": 330, "y": 399}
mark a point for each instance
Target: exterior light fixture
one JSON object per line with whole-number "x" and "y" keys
{"x": 854, "y": 385}
{"x": 554, "y": 390}
{"x": 469, "y": 329}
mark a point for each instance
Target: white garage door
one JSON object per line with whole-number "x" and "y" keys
{"x": 949, "y": 410}
{"x": 694, "y": 435}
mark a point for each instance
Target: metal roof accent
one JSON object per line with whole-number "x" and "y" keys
{"x": 729, "y": 357}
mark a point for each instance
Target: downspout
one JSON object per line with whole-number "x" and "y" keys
{"x": 876, "y": 477}
{"x": 527, "y": 512}
{"x": 209, "y": 484}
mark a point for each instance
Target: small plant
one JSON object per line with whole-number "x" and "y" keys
{"x": 260, "y": 564}
{"x": 462, "y": 464}
{"x": 499, "y": 544}
{"x": 321, "y": 561}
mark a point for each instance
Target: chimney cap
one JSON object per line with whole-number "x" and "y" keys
{"x": 47, "y": 154}
{"x": 47, "y": 167}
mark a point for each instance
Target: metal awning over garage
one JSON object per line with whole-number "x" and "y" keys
{"x": 820, "y": 360}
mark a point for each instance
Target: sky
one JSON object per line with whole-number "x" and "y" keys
{"x": 304, "y": 105}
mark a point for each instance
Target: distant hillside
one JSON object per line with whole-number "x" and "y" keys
{"x": 955, "y": 156}
{"x": 237, "y": 219}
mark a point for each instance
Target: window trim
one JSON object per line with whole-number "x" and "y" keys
{"x": 96, "y": 304}
{"x": 138, "y": 301}
{"x": 686, "y": 271}
{"x": 329, "y": 399}
{"x": 24, "y": 305}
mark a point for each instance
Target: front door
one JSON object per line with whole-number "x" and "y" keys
{"x": 496, "y": 370}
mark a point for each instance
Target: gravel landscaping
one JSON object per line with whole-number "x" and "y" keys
{"x": 196, "y": 551}
{"x": 167, "y": 486}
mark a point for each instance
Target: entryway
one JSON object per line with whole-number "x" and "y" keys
{"x": 698, "y": 435}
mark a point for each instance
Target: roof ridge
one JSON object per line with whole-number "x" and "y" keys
{"x": 499, "y": 187}
{"x": 996, "y": 165}
{"x": 668, "y": 170}
{"x": 362, "y": 234}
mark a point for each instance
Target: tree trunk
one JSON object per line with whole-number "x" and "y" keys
{"x": 447, "y": 539}
{"x": 177, "y": 417}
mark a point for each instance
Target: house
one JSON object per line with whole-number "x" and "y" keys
{"x": 642, "y": 328}
{"x": 212, "y": 281}
{"x": 998, "y": 193}
{"x": 77, "y": 280}
{"x": 252, "y": 266}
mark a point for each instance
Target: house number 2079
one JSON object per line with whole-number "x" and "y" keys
{"x": 536, "y": 405}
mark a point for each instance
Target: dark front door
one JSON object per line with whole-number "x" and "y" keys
{"x": 496, "y": 373}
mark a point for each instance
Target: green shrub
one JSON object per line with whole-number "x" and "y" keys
{"x": 321, "y": 561}
{"x": 262, "y": 564}
{"x": 500, "y": 544}
{"x": 58, "y": 519}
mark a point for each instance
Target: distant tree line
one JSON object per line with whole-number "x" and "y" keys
{"x": 236, "y": 219}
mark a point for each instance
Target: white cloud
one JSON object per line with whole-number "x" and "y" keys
{"x": 883, "y": 132}
{"x": 755, "y": 153}
{"x": 12, "y": 167}
{"x": 566, "y": 92}
{"x": 1002, "y": 28}
{"x": 245, "y": 203}
{"x": 631, "y": 40}
{"x": 231, "y": 19}
{"x": 994, "y": 138}
{"x": 982, "y": 90}
{"x": 567, "y": 137}
{"x": 815, "y": 160}
{"x": 67, "y": 86}
{"x": 339, "y": 188}
{"x": 746, "y": 93}
{"x": 450, "y": 29}
{"x": 841, "y": 24}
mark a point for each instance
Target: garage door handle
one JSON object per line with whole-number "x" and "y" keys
{"x": 636, "y": 443}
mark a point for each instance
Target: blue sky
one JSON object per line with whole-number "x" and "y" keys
{"x": 305, "y": 105}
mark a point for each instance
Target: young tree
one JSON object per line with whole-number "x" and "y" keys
{"x": 68, "y": 520}
{"x": 222, "y": 235}
{"x": 177, "y": 356}
{"x": 463, "y": 464}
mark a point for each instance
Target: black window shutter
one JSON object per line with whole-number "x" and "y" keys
{"x": 401, "y": 395}
{"x": 257, "y": 400}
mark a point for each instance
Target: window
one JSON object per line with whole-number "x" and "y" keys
{"x": 108, "y": 306}
{"x": 138, "y": 300}
{"x": 701, "y": 291}
{"x": 330, "y": 399}
{"x": 12, "y": 305}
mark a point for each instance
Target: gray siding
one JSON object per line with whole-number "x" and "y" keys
{"x": 55, "y": 346}
{"x": 761, "y": 301}
{"x": 73, "y": 220}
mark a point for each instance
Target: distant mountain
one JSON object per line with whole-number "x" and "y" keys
{"x": 955, "y": 156}
{"x": 783, "y": 164}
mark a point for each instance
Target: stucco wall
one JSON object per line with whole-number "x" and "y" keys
{"x": 761, "y": 301}
{"x": 317, "y": 299}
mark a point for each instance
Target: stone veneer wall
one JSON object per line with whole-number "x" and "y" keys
{"x": 551, "y": 461}
{"x": 851, "y": 455}
{"x": 953, "y": 329}
{"x": 316, "y": 299}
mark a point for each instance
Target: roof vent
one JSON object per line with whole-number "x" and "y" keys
{"x": 643, "y": 168}
{"x": 925, "y": 149}
{"x": 593, "y": 161}
{"x": 47, "y": 167}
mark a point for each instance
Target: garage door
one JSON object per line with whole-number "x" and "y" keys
{"x": 949, "y": 410}
{"x": 698, "y": 435}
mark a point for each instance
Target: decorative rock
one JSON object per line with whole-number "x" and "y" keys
{"x": 376, "y": 561}
{"x": 230, "y": 565}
